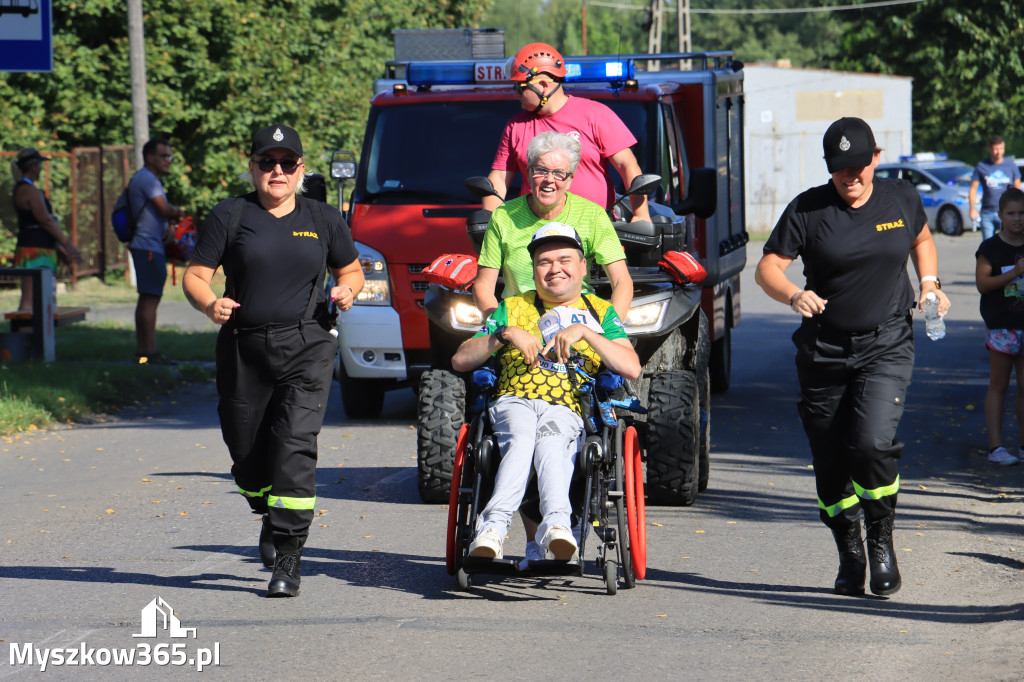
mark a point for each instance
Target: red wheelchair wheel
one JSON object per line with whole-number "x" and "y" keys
{"x": 453, "y": 499}
{"x": 636, "y": 509}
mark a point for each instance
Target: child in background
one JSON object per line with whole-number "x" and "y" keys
{"x": 1000, "y": 279}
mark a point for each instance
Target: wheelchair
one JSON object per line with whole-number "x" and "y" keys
{"x": 607, "y": 490}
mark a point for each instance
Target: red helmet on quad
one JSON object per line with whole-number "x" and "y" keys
{"x": 534, "y": 59}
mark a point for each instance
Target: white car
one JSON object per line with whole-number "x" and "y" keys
{"x": 944, "y": 186}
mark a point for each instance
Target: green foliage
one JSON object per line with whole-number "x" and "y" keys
{"x": 216, "y": 72}
{"x": 965, "y": 59}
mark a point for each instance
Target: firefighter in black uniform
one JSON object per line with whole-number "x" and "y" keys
{"x": 275, "y": 352}
{"x": 855, "y": 346}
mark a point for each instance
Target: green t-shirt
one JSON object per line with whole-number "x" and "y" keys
{"x": 513, "y": 224}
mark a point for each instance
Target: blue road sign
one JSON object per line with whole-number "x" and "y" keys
{"x": 26, "y": 35}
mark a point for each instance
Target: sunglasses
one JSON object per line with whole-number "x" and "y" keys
{"x": 541, "y": 172}
{"x": 167, "y": 157}
{"x": 288, "y": 166}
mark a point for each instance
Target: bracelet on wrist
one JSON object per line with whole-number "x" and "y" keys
{"x": 792, "y": 299}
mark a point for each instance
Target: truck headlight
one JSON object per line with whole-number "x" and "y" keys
{"x": 467, "y": 317}
{"x": 376, "y": 290}
{"x": 645, "y": 317}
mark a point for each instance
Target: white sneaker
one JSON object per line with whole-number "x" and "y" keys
{"x": 486, "y": 545}
{"x": 559, "y": 543}
{"x": 1002, "y": 457}
{"x": 533, "y": 553}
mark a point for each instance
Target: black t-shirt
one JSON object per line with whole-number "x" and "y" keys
{"x": 273, "y": 262}
{"x": 855, "y": 258}
{"x": 1004, "y": 307}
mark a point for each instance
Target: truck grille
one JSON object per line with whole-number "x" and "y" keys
{"x": 420, "y": 286}
{"x": 417, "y": 268}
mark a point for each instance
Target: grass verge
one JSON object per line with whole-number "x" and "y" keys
{"x": 91, "y": 375}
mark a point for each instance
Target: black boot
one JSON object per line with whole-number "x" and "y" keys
{"x": 267, "y": 551}
{"x": 285, "y": 581}
{"x": 853, "y": 564}
{"x": 885, "y": 574}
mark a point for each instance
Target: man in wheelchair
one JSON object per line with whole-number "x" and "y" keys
{"x": 536, "y": 416}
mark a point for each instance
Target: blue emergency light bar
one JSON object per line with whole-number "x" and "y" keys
{"x": 923, "y": 156}
{"x": 580, "y": 69}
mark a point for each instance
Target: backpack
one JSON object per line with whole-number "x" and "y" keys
{"x": 122, "y": 219}
{"x": 185, "y": 238}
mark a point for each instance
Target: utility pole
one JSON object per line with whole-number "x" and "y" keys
{"x": 683, "y": 31}
{"x": 584, "y": 12}
{"x": 683, "y": 25}
{"x": 137, "y": 56}
{"x": 654, "y": 35}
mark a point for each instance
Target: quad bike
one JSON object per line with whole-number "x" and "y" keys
{"x": 665, "y": 324}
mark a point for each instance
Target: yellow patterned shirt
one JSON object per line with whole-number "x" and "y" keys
{"x": 517, "y": 378}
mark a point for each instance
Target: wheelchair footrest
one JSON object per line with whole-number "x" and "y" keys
{"x": 474, "y": 564}
{"x": 553, "y": 567}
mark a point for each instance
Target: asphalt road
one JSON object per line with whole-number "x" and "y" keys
{"x": 101, "y": 519}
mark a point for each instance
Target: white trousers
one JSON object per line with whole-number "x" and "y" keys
{"x": 532, "y": 435}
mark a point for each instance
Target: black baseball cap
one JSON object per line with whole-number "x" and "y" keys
{"x": 27, "y": 155}
{"x": 276, "y": 137}
{"x": 848, "y": 143}
{"x": 555, "y": 232}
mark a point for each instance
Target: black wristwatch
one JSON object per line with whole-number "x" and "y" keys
{"x": 499, "y": 334}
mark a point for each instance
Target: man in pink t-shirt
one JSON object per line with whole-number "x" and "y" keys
{"x": 537, "y": 72}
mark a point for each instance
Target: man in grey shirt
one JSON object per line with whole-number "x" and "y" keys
{"x": 153, "y": 228}
{"x": 994, "y": 175}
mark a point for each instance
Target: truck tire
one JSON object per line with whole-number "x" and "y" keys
{"x": 704, "y": 393}
{"x": 440, "y": 414}
{"x": 673, "y": 421}
{"x": 361, "y": 398}
{"x": 721, "y": 360}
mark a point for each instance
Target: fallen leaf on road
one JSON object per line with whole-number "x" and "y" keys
{"x": 367, "y": 537}
{"x": 661, "y": 615}
{"x": 207, "y": 502}
{"x": 145, "y": 480}
{"x": 659, "y": 525}
{"x": 183, "y": 514}
{"x": 699, "y": 531}
{"x": 730, "y": 523}
{"x": 110, "y": 511}
{"x": 156, "y": 501}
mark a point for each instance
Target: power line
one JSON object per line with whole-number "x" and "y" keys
{"x": 792, "y": 10}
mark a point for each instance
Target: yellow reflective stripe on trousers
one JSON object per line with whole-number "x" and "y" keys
{"x": 280, "y": 502}
{"x": 249, "y": 493}
{"x": 878, "y": 493}
{"x": 839, "y": 506}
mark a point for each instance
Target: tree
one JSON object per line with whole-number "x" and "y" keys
{"x": 217, "y": 71}
{"x": 965, "y": 59}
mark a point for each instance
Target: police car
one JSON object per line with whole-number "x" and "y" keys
{"x": 943, "y": 184}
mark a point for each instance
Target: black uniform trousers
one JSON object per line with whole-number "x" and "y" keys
{"x": 852, "y": 390}
{"x": 273, "y": 383}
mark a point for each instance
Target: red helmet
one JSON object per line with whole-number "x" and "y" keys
{"x": 534, "y": 59}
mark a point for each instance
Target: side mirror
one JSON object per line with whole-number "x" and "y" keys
{"x": 343, "y": 165}
{"x": 925, "y": 187}
{"x": 480, "y": 186}
{"x": 644, "y": 184}
{"x": 702, "y": 198}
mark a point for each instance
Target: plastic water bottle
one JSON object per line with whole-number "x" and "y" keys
{"x": 934, "y": 326}
{"x": 976, "y": 223}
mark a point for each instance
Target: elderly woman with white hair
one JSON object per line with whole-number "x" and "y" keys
{"x": 552, "y": 159}
{"x": 275, "y": 351}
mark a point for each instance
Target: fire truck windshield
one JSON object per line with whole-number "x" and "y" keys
{"x": 426, "y": 149}
{"x": 422, "y": 151}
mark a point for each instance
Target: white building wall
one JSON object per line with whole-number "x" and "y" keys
{"x": 787, "y": 113}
